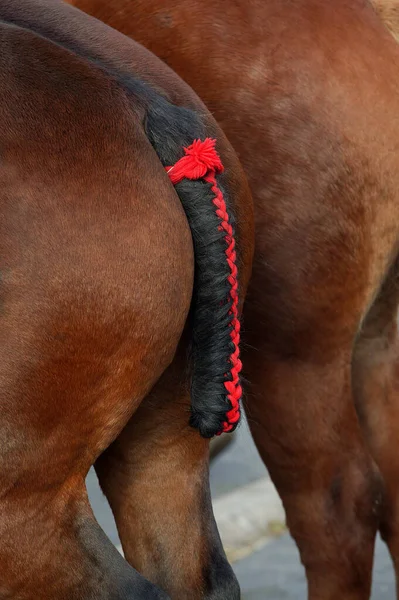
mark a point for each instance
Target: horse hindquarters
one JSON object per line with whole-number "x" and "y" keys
{"x": 96, "y": 287}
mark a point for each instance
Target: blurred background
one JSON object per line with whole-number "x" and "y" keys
{"x": 263, "y": 555}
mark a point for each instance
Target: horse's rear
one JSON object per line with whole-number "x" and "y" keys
{"x": 307, "y": 92}
{"x": 97, "y": 270}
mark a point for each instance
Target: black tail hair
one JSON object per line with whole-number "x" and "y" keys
{"x": 171, "y": 128}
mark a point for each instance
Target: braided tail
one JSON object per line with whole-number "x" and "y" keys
{"x": 170, "y": 128}
{"x": 215, "y": 390}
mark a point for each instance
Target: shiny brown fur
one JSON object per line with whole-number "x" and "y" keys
{"x": 96, "y": 282}
{"x": 307, "y": 91}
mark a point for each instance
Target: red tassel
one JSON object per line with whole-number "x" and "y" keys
{"x": 199, "y": 159}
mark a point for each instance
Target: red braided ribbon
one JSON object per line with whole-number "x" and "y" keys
{"x": 201, "y": 161}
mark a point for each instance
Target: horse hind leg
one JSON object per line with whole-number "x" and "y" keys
{"x": 306, "y": 431}
{"x": 53, "y": 547}
{"x": 375, "y": 375}
{"x": 301, "y": 408}
{"x": 155, "y": 476}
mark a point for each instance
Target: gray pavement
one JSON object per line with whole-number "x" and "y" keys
{"x": 274, "y": 571}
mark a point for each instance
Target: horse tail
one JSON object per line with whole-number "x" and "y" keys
{"x": 195, "y": 169}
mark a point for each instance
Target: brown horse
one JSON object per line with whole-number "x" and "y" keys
{"x": 307, "y": 91}
{"x": 97, "y": 267}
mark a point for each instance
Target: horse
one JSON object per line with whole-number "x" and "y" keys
{"x": 307, "y": 92}
{"x": 126, "y": 238}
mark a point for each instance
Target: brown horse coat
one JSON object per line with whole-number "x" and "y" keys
{"x": 307, "y": 92}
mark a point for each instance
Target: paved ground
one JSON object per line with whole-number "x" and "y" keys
{"x": 273, "y": 572}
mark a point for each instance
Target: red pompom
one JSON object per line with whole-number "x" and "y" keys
{"x": 199, "y": 158}
{"x": 202, "y": 161}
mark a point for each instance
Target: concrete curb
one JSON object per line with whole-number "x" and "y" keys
{"x": 249, "y": 517}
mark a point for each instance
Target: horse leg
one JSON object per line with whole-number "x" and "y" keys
{"x": 376, "y": 389}
{"x": 155, "y": 470}
{"x": 302, "y": 317}
{"x": 306, "y": 431}
{"x": 52, "y": 545}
